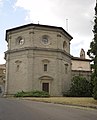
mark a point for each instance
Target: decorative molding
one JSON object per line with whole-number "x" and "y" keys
{"x": 18, "y": 61}
{"x": 66, "y": 64}
{"x": 58, "y": 35}
{"x": 31, "y": 32}
{"x": 45, "y": 61}
{"x": 46, "y": 78}
{"x": 38, "y": 49}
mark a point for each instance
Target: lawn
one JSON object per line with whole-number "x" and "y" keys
{"x": 89, "y": 102}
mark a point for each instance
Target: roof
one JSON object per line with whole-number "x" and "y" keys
{"x": 38, "y": 25}
{"x": 81, "y": 59}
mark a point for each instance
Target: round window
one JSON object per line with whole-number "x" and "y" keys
{"x": 45, "y": 40}
{"x": 20, "y": 40}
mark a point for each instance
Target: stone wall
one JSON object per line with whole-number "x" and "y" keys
{"x": 86, "y": 74}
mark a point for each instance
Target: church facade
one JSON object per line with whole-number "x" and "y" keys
{"x": 38, "y": 58}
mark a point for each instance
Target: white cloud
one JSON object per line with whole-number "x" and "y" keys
{"x": 55, "y": 12}
{"x": 80, "y": 42}
{"x": 40, "y": 10}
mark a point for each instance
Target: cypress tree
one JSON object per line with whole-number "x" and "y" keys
{"x": 92, "y": 52}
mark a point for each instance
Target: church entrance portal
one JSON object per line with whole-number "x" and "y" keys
{"x": 45, "y": 87}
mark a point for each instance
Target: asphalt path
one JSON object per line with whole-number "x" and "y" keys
{"x": 17, "y": 109}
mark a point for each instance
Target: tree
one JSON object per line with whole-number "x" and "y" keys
{"x": 95, "y": 88}
{"x": 92, "y": 52}
{"x": 80, "y": 87}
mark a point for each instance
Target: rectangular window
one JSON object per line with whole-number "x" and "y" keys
{"x": 45, "y": 67}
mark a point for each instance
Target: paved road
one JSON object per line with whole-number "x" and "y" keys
{"x": 15, "y": 109}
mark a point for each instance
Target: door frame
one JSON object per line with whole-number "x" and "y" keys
{"x": 45, "y": 86}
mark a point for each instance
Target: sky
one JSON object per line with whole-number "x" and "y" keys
{"x": 75, "y": 16}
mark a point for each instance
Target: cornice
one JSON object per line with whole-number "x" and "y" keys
{"x": 38, "y": 49}
{"x": 38, "y": 27}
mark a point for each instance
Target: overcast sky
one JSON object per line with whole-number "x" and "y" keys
{"x": 75, "y": 16}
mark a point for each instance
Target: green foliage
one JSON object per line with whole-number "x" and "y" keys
{"x": 32, "y": 94}
{"x": 95, "y": 88}
{"x": 92, "y": 52}
{"x": 40, "y": 94}
{"x": 80, "y": 87}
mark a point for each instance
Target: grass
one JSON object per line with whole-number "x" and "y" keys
{"x": 89, "y": 102}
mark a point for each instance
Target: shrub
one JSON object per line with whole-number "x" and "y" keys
{"x": 40, "y": 94}
{"x": 32, "y": 94}
{"x": 80, "y": 87}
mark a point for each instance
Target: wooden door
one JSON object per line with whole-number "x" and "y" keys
{"x": 45, "y": 87}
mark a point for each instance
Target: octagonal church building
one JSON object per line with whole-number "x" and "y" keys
{"x": 38, "y": 58}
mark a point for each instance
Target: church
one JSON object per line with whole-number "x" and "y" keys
{"x": 38, "y": 58}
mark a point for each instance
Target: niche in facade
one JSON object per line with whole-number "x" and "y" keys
{"x": 64, "y": 45}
